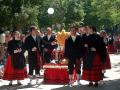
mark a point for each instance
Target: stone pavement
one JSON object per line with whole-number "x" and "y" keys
{"x": 111, "y": 82}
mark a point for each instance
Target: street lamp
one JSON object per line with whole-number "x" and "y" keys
{"x": 50, "y": 12}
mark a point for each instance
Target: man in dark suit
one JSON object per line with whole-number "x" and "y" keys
{"x": 33, "y": 45}
{"x": 73, "y": 52}
{"x": 49, "y": 44}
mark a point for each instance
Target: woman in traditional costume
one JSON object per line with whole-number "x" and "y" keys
{"x": 107, "y": 63}
{"x": 15, "y": 68}
{"x": 93, "y": 59}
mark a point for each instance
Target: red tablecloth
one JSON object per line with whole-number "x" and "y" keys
{"x": 56, "y": 74}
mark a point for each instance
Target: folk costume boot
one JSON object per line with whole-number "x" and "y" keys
{"x": 10, "y": 83}
{"x": 18, "y": 82}
{"x": 31, "y": 77}
{"x": 70, "y": 80}
{"x": 78, "y": 79}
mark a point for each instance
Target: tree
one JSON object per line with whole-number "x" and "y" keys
{"x": 66, "y": 12}
{"x": 5, "y": 13}
{"x": 104, "y": 14}
{"x": 107, "y": 12}
{"x": 75, "y": 13}
{"x": 90, "y": 17}
{"x": 19, "y": 13}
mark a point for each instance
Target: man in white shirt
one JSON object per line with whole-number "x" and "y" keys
{"x": 32, "y": 45}
{"x": 73, "y": 52}
{"x": 49, "y": 43}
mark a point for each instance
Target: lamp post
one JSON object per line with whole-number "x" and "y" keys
{"x": 50, "y": 12}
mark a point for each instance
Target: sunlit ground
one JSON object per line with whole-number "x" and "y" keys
{"x": 111, "y": 82}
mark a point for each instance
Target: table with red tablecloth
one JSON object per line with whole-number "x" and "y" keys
{"x": 57, "y": 74}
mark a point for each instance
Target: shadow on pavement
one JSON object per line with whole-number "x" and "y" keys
{"x": 109, "y": 85}
{"x": 16, "y": 87}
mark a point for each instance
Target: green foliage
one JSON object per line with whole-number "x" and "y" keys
{"x": 75, "y": 13}
{"x": 104, "y": 14}
{"x": 18, "y": 13}
{"x": 107, "y": 12}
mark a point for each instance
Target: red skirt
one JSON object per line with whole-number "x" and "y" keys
{"x": 107, "y": 64}
{"x": 10, "y": 73}
{"x": 95, "y": 73}
{"x": 111, "y": 48}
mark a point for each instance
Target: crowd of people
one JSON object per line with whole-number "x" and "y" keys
{"x": 83, "y": 46}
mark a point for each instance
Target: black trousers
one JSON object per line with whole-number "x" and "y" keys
{"x": 33, "y": 66}
{"x": 74, "y": 64}
{"x": 47, "y": 57}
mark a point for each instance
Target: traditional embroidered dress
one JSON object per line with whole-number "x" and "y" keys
{"x": 15, "y": 68}
{"x": 92, "y": 63}
{"x": 107, "y": 63}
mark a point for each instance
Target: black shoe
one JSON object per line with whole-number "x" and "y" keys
{"x": 10, "y": 84}
{"x": 96, "y": 85}
{"x": 103, "y": 75}
{"x": 90, "y": 84}
{"x": 19, "y": 83}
